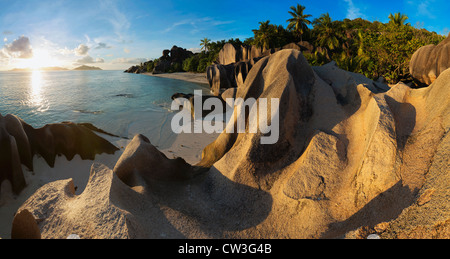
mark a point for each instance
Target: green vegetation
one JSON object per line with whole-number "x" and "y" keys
{"x": 371, "y": 48}
{"x": 210, "y": 52}
{"x": 299, "y": 21}
{"x": 205, "y": 44}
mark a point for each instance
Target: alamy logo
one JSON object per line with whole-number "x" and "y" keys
{"x": 235, "y": 116}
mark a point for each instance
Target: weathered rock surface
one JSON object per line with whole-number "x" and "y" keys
{"x": 170, "y": 59}
{"x": 25, "y": 226}
{"x": 221, "y": 77}
{"x": 141, "y": 160}
{"x": 191, "y": 98}
{"x": 241, "y": 70}
{"x": 428, "y": 62}
{"x": 346, "y": 158}
{"x": 19, "y": 142}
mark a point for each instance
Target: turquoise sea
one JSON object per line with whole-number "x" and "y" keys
{"x": 119, "y": 103}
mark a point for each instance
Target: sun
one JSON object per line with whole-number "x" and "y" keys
{"x": 41, "y": 58}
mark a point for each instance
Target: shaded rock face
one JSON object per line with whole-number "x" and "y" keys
{"x": 132, "y": 70}
{"x": 191, "y": 98}
{"x": 142, "y": 161}
{"x": 220, "y": 77}
{"x": 25, "y": 226}
{"x": 169, "y": 59}
{"x": 346, "y": 158}
{"x": 241, "y": 71}
{"x": 178, "y": 54}
{"x": 428, "y": 62}
{"x": 162, "y": 66}
{"x": 19, "y": 142}
{"x": 339, "y": 80}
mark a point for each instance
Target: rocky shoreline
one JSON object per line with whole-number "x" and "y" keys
{"x": 364, "y": 158}
{"x": 356, "y": 157}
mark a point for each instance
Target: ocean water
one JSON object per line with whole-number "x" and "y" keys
{"x": 119, "y": 103}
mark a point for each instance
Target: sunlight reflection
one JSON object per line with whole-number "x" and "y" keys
{"x": 35, "y": 98}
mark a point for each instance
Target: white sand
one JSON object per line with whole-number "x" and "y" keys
{"x": 199, "y": 78}
{"x": 187, "y": 146}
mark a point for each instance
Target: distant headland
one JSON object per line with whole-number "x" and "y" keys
{"x": 87, "y": 68}
{"x": 80, "y": 68}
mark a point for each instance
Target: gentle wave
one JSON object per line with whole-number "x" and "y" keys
{"x": 120, "y": 103}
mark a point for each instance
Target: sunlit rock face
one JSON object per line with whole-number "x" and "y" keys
{"x": 350, "y": 154}
{"x": 428, "y": 62}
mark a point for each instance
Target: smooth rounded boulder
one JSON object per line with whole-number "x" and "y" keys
{"x": 428, "y": 62}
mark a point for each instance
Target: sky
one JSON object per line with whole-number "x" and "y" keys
{"x": 116, "y": 34}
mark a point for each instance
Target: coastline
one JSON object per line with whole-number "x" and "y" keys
{"x": 187, "y": 146}
{"x": 199, "y": 78}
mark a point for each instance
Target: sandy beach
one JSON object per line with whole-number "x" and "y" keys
{"x": 187, "y": 146}
{"x": 199, "y": 78}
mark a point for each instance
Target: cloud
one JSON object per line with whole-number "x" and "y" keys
{"x": 195, "y": 50}
{"x": 129, "y": 60}
{"x": 81, "y": 50}
{"x": 175, "y": 25}
{"x": 3, "y": 55}
{"x": 424, "y": 9}
{"x": 126, "y": 50}
{"x": 102, "y": 45}
{"x": 20, "y": 48}
{"x": 197, "y": 24}
{"x": 117, "y": 19}
{"x": 89, "y": 60}
{"x": 66, "y": 51}
{"x": 7, "y": 32}
{"x": 353, "y": 12}
{"x": 5, "y": 39}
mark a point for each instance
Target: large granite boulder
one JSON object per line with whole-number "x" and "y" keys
{"x": 132, "y": 69}
{"x": 303, "y": 46}
{"x": 241, "y": 70}
{"x": 229, "y": 55}
{"x": 221, "y": 77}
{"x": 428, "y": 62}
{"x": 162, "y": 66}
{"x": 178, "y": 55}
{"x": 19, "y": 142}
{"x": 191, "y": 98}
{"x": 345, "y": 158}
{"x": 141, "y": 161}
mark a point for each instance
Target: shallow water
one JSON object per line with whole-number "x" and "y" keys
{"x": 119, "y": 103}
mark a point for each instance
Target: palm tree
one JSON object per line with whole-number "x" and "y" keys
{"x": 205, "y": 44}
{"x": 263, "y": 34}
{"x": 299, "y": 21}
{"x": 398, "y": 19}
{"x": 326, "y": 32}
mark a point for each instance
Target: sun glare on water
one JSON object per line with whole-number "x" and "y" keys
{"x": 41, "y": 58}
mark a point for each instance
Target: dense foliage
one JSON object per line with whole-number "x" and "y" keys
{"x": 210, "y": 52}
{"x": 371, "y": 48}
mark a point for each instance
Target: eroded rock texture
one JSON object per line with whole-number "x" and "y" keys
{"x": 428, "y": 62}
{"x": 19, "y": 142}
{"x": 350, "y": 154}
